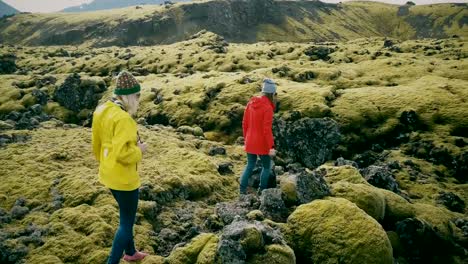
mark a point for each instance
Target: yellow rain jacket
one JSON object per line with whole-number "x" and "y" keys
{"x": 115, "y": 147}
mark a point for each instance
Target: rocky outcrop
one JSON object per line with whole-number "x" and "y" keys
{"x": 7, "y": 63}
{"x": 272, "y": 205}
{"x": 244, "y": 240}
{"x": 426, "y": 149}
{"x": 239, "y": 21}
{"x": 422, "y": 244}
{"x": 452, "y": 201}
{"x": 77, "y": 94}
{"x": 381, "y": 177}
{"x": 309, "y": 141}
{"x": 303, "y": 186}
{"x": 227, "y": 211}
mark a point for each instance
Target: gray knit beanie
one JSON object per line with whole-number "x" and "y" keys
{"x": 268, "y": 86}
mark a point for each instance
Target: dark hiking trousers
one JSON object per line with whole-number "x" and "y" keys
{"x": 123, "y": 240}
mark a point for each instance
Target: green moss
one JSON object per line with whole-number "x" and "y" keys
{"x": 208, "y": 253}
{"x": 366, "y": 197}
{"x": 28, "y": 100}
{"x": 396, "y": 207}
{"x": 325, "y": 231}
{"x": 46, "y": 259}
{"x": 10, "y": 106}
{"x": 275, "y": 254}
{"x": 60, "y": 112}
{"x": 289, "y": 192}
{"x": 252, "y": 239}
{"x": 439, "y": 217}
{"x": 195, "y": 251}
{"x": 255, "y": 215}
{"x": 343, "y": 173}
{"x": 395, "y": 241}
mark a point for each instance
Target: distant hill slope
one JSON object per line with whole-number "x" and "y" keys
{"x": 6, "y": 9}
{"x": 238, "y": 21}
{"x": 112, "y": 4}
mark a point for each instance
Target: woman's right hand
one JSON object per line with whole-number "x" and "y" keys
{"x": 142, "y": 146}
{"x": 272, "y": 153}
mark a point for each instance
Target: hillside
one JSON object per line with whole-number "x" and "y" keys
{"x": 6, "y": 9}
{"x": 400, "y": 107}
{"x": 112, "y": 4}
{"x": 237, "y": 21}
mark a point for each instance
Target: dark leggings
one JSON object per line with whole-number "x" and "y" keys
{"x": 123, "y": 240}
{"x": 251, "y": 162}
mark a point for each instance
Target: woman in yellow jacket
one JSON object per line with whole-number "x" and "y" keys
{"x": 118, "y": 149}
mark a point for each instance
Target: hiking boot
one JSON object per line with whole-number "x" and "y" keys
{"x": 135, "y": 257}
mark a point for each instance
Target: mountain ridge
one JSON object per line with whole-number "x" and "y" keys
{"x": 6, "y": 9}
{"x": 112, "y": 4}
{"x": 237, "y": 21}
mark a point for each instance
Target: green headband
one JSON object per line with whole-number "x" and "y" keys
{"x": 122, "y": 91}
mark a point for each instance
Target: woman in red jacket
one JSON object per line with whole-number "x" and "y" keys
{"x": 258, "y": 135}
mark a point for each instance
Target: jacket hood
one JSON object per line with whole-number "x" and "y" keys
{"x": 260, "y": 102}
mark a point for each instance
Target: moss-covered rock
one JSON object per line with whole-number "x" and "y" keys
{"x": 255, "y": 215}
{"x": 396, "y": 207}
{"x": 252, "y": 240}
{"x": 342, "y": 173}
{"x": 275, "y": 254}
{"x": 303, "y": 186}
{"x": 200, "y": 250}
{"x": 46, "y": 259}
{"x": 334, "y": 230}
{"x": 245, "y": 241}
{"x": 366, "y": 197}
{"x": 440, "y": 218}
{"x": 395, "y": 241}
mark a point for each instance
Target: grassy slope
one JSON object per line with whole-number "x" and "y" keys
{"x": 294, "y": 21}
{"x": 83, "y": 228}
{"x": 363, "y": 91}
{"x": 371, "y": 90}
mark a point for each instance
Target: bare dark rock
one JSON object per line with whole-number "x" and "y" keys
{"x": 216, "y": 150}
{"x": 5, "y": 217}
{"x": 452, "y": 201}
{"x": 45, "y": 81}
{"x": 382, "y": 177}
{"x": 309, "y": 141}
{"x": 15, "y": 116}
{"x": 272, "y": 205}
{"x": 309, "y": 186}
{"x": 421, "y": 243}
{"x": 319, "y": 52}
{"x": 76, "y": 94}
{"x": 388, "y": 43}
{"x": 227, "y": 211}
{"x": 343, "y": 162}
{"x": 41, "y": 97}
{"x": 366, "y": 158}
{"x": 18, "y": 212}
{"x": 225, "y": 168}
{"x": 7, "y": 63}
{"x": 394, "y": 165}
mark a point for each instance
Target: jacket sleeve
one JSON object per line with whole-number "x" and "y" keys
{"x": 267, "y": 127}
{"x": 245, "y": 120}
{"x": 124, "y": 142}
{"x": 96, "y": 140}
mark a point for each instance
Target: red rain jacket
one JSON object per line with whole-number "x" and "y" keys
{"x": 256, "y": 125}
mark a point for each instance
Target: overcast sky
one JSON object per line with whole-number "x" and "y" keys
{"x": 56, "y": 5}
